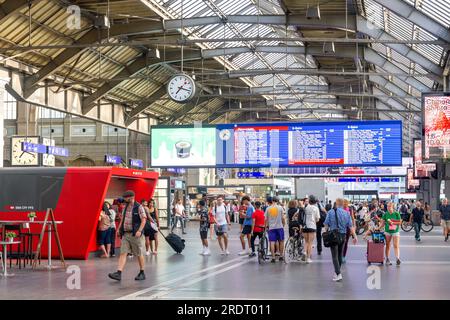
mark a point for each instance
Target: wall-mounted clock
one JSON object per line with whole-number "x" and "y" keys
{"x": 23, "y": 158}
{"x": 181, "y": 88}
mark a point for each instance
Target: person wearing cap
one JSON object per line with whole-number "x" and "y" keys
{"x": 130, "y": 230}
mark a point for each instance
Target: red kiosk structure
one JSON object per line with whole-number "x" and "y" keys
{"x": 76, "y": 194}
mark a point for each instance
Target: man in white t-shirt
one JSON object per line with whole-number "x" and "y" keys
{"x": 222, "y": 221}
{"x": 180, "y": 213}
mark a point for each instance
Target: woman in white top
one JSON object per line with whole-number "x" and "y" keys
{"x": 312, "y": 216}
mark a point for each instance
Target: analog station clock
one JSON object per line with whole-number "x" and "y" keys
{"x": 181, "y": 88}
{"x": 23, "y": 158}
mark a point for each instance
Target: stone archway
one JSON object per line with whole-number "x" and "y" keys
{"x": 82, "y": 161}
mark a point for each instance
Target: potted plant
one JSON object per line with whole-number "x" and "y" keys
{"x": 31, "y": 216}
{"x": 10, "y": 236}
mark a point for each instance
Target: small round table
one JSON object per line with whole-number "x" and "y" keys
{"x": 5, "y": 256}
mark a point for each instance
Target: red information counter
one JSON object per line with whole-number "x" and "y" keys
{"x": 76, "y": 194}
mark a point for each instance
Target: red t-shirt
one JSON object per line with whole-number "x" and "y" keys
{"x": 258, "y": 215}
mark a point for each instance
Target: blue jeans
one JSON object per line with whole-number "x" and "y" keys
{"x": 417, "y": 226}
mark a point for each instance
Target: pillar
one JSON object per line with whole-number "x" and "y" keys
{"x": 26, "y": 119}
{"x": 2, "y": 109}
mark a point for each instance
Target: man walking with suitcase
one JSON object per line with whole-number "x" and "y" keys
{"x": 130, "y": 230}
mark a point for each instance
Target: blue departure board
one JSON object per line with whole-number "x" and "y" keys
{"x": 355, "y": 143}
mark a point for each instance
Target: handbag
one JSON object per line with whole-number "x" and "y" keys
{"x": 332, "y": 237}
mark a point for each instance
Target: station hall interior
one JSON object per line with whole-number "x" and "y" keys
{"x": 207, "y": 149}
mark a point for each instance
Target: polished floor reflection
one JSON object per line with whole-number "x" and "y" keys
{"x": 424, "y": 274}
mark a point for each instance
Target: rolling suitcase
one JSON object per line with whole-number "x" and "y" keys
{"x": 375, "y": 252}
{"x": 174, "y": 241}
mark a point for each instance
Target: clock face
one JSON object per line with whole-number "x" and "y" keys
{"x": 23, "y": 158}
{"x": 224, "y": 134}
{"x": 181, "y": 88}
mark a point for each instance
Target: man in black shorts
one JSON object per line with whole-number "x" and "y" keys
{"x": 202, "y": 211}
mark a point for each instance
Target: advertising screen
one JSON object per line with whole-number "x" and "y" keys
{"x": 297, "y": 144}
{"x": 436, "y": 125}
{"x": 421, "y": 170}
{"x": 411, "y": 183}
{"x": 183, "y": 146}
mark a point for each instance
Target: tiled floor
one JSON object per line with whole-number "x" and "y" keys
{"x": 424, "y": 274}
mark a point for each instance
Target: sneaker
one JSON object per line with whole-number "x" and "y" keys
{"x": 140, "y": 276}
{"x": 115, "y": 276}
{"x": 319, "y": 253}
{"x": 273, "y": 260}
{"x": 130, "y": 256}
{"x": 113, "y": 255}
{"x": 207, "y": 252}
{"x": 251, "y": 255}
{"x": 281, "y": 258}
{"x": 308, "y": 260}
{"x": 446, "y": 238}
{"x": 398, "y": 262}
{"x": 147, "y": 253}
{"x": 222, "y": 253}
{"x": 155, "y": 253}
{"x": 418, "y": 240}
{"x": 388, "y": 262}
{"x": 337, "y": 278}
{"x": 243, "y": 253}
{"x": 227, "y": 252}
{"x": 184, "y": 232}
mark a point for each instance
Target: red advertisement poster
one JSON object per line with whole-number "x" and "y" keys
{"x": 437, "y": 126}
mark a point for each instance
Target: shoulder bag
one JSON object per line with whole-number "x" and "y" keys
{"x": 332, "y": 237}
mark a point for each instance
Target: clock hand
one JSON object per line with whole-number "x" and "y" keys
{"x": 21, "y": 154}
{"x": 184, "y": 89}
{"x": 179, "y": 88}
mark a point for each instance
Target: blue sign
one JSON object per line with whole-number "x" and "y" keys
{"x": 40, "y": 148}
{"x": 137, "y": 163}
{"x": 347, "y": 180}
{"x": 33, "y": 147}
{"x": 390, "y": 179}
{"x": 253, "y": 174}
{"x": 111, "y": 159}
{"x": 58, "y": 151}
{"x": 176, "y": 170}
{"x": 305, "y": 144}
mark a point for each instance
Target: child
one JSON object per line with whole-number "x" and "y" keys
{"x": 374, "y": 227}
{"x": 258, "y": 223}
{"x": 203, "y": 213}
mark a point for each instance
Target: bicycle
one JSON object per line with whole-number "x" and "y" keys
{"x": 427, "y": 224}
{"x": 263, "y": 247}
{"x": 293, "y": 249}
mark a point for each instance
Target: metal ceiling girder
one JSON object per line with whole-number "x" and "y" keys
{"x": 188, "y": 107}
{"x": 143, "y": 105}
{"x": 132, "y": 68}
{"x": 389, "y": 100}
{"x": 335, "y": 110}
{"x": 342, "y": 51}
{"x": 306, "y": 87}
{"x": 385, "y": 83}
{"x": 418, "y": 18}
{"x": 145, "y": 27}
{"x": 375, "y": 58}
{"x": 373, "y": 31}
{"x": 92, "y": 36}
{"x": 10, "y": 7}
